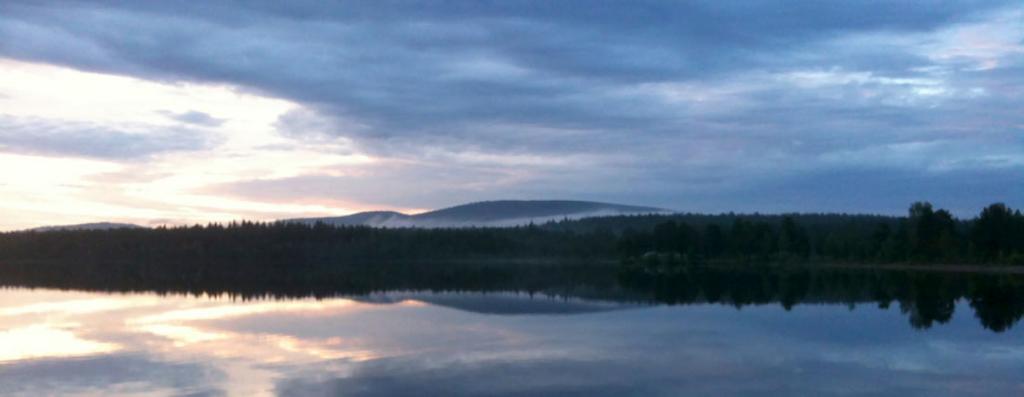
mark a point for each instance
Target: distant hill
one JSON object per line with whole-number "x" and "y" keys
{"x": 488, "y": 213}
{"x": 87, "y": 226}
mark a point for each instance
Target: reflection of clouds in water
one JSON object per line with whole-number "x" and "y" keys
{"x": 80, "y": 306}
{"x": 39, "y": 341}
{"x": 686, "y": 375}
{"x": 701, "y": 350}
{"x": 254, "y": 348}
{"x": 173, "y": 329}
{"x": 60, "y": 327}
{"x": 236, "y": 309}
{"x": 194, "y": 329}
{"x": 411, "y": 377}
{"x": 186, "y": 345}
{"x": 119, "y": 374}
{"x": 182, "y": 335}
{"x": 401, "y": 328}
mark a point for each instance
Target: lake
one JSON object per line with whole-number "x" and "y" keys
{"x": 405, "y": 343}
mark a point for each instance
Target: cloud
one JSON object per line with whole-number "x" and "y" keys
{"x": 661, "y": 101}
{"x": 84, "y": 139}
{"x": 411, "y": 72}
{"x": 395, "y": 185}
{"x": 880, "y": 190}
{"x": 195, "y": 117}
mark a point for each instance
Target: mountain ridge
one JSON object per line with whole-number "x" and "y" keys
{"x": 86, "y": 226}
{"x": 495, "y": 213}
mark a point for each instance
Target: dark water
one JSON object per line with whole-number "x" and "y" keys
{"x": 667, "y": 338}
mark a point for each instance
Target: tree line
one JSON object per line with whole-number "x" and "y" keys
{"x": 569, "y": 257}
{"x": 280, "y": 252}
{"x": 239, "y": 249}
{"x": 925, "y": 235}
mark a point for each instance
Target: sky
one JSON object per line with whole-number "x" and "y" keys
{"x": 190, "y": 112}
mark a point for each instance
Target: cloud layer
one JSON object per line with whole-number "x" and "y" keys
{"x": 666, "y": 104}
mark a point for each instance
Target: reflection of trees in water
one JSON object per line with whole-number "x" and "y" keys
{"x": 927, "y": 298}
{"x": 932, "y": 300}
{"x": 997, "y": 303}
{"x": 287, "y": 282}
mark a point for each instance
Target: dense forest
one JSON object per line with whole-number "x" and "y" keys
{"x": 657, "y": 258}
{"x": 925, "y": 236}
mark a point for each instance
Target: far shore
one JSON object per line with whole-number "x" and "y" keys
{"x": 953, "y": 268}
{"x": 612, "y": 262}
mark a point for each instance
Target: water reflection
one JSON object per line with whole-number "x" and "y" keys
{"x": 698, "y": 333}
{"x": 928, "y": 298}
{"x": 102, "y": 344}
{"x": 48, "y": 340}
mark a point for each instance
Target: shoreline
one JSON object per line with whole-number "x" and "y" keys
{"x": 544, "y": 262}
{"x": 977, "y": 269}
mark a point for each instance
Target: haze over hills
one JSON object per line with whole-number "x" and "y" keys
{"x": 87, "y": 226}
{"x": 485, "y": 213}
{"x": 488, "y": 213}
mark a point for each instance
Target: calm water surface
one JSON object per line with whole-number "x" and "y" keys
{"x": 503, "y": 344}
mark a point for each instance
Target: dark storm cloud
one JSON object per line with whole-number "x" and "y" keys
{"x": 772, "y": 89}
